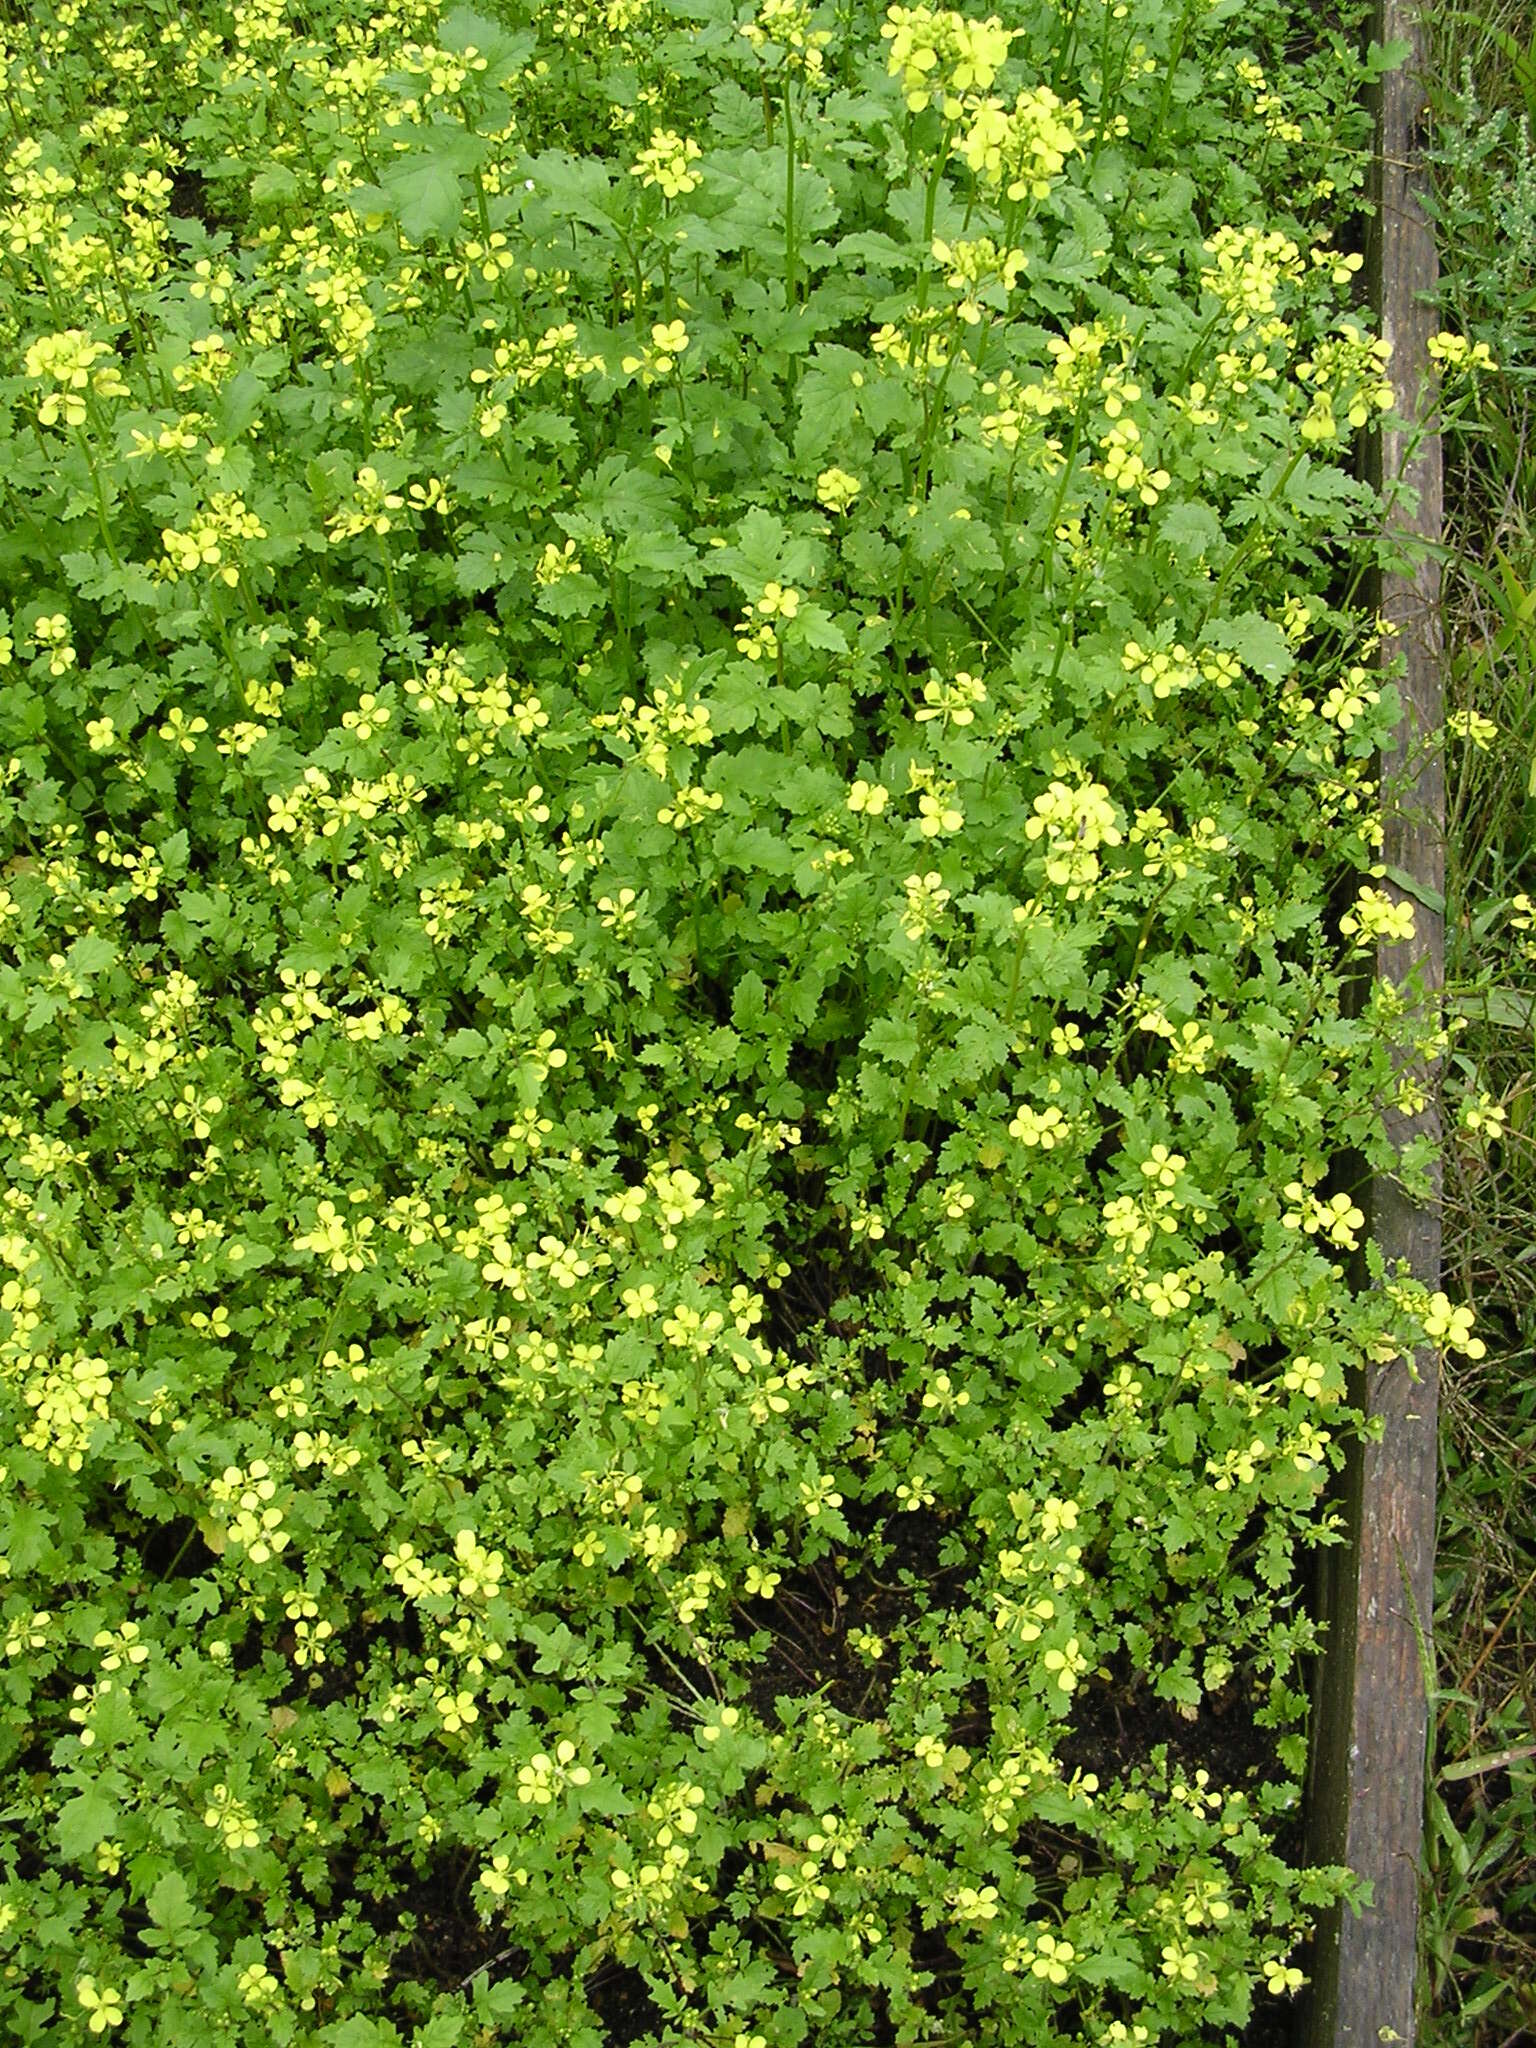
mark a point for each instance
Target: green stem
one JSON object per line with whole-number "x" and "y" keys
{"x": 1064, "y": 57}
{"x": 1248, "y": 546}
{"x": 909, "y": 1091}
{"x": 1068, "y": 468}
{"x": 101, "y": 498}
{"x": 484, "y": 211}
{"x": 791, "y": 252}
{"x": 1013, "y": 981}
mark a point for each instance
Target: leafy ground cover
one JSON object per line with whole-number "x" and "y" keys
{"x": 1480, "y": 1891}
{"x": 690, "y": 836}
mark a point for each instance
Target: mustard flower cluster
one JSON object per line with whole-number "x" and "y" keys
{"x": 939, "y": 54}
{"x": 666, "y": 163}
{"x": 673, "y": 785}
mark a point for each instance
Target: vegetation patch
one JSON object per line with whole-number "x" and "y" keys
{"x": 690, "y": 872}
{"x": 1479, "y": 1898}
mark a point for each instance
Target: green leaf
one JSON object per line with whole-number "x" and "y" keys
{"x": 1183, "y": 1429}
{"x": 765, "y": 551}
{"x": 659, "y": 557}
{"x": 571, "y": 597}
{"x": 1257, "y": 642}
{"x": 1491, "y": 1760}
{"x": 358, "y": 2032}
{"x": 1380, "y": 58}
{"x": 629, "y": 502}
{"x": 814, "y": 627}
{"x": 484, "y": 562}
{"x": 446, "y": 2031}
{"x": 1112, "y": 1963}
{"x": 170, "y": 1905}
{"x": 506, "y": 54}
{"x": 91, "y": 954}
{"x": 1192, "y": 529}
{"x": 274, "y": 185}
{"x": 567, "y": 188}
{"x": 428, "y": 199}
{"x": 828, "y": 405}
{"x": 90, "y": 1817}
{"x": 749, "y": 1004}
{"x": 28, "y": 1543}
{"x": 1507, "y": 1009}
{"x": 896, "y": 1040}
{"x": 423, "y": 188}
{"x": 1421, "y": 891}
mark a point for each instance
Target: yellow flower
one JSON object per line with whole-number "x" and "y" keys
{"x": 937, "y": 814}
{"x": 1470, "y": 725}
{"x": 1053, "y": 1959}
{"x": 1455, "y": 352}
{"x": 818, "y": 1496}
{"x": 456, "y": 1710}
{"x": 837, "y": 490}
{"x": 1484, "y": 1117}
{"x": 1182, "y": 1964}
{"x": 104, "y": 2004}
{"x": 1451, "y": 1328}
{"x": 1068, "y": 1664}
{"x": 68, "y": 361}
{"x": 232, "y": 1819}
{"x": 257, "y": 1985}
{"x": 806, "y": 1886}
{"x": 1046, "y": 1128}
{"x": 665, "y": 163}
{"x": 777, "y": 602}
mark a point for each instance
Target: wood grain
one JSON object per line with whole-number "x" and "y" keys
{"x": 1365, "y": 1796}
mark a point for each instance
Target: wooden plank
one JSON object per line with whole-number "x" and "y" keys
{"x": 1365, "y": 1796}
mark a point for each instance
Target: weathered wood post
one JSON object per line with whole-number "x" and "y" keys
{"x": 1368, "y": 1754}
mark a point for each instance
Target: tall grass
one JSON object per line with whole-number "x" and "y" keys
{"x": 1479, "y": 1923}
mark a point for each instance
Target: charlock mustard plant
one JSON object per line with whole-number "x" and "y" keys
{"x": 685, "y": 816}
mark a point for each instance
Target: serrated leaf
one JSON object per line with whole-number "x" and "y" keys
{"x": 358, "y": 2032}
{"x": 1183, "y": 1430}
{"x": 817, "y": 628}
{"x": 505, "y": 54}
{"x": 749, "y": 1002}
{"x": 571, "y": 597}
{"x": 664, "y": 557}
{"x": 273, "y": 185}
{"x": 896, "y": 1040}
{"x": 1380, "y": 58}
{"x": 423, "y": 188}
{"x": 1257, "y": 642}
{"x": 90, "y": 1817}
{"x": 91, "y": 954}
{"x": 1191, "y": 529}
{"x": 170, "y": 1905}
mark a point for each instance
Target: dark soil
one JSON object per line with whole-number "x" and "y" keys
{"x": 192, "y": 199}
{"x": 446, "y": 1942}
{"x": 816, "y": 1607}
{"x": 1117, "y": 1724}
{"x": 623, "y": 2004}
